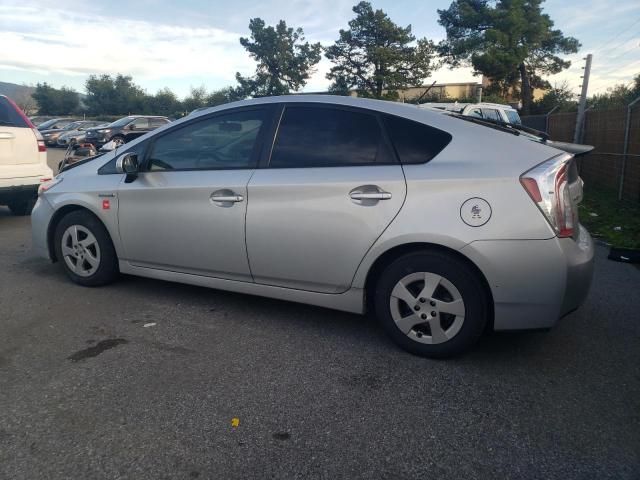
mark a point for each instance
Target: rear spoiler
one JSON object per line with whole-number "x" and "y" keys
{"x": 576, "y": 149}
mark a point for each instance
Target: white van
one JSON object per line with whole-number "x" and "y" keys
{"x": 23, "y": 159}
{"x": 488, "y": 111}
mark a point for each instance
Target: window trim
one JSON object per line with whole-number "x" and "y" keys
{"x": 255, "y": 154}
{"x": 266, "y": 162}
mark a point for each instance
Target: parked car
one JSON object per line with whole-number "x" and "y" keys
{"x": 23, "y": 159}
{"x": 442, "y": 228}
{"x": 51, "y": 135}
{"x": 125, "y": 129}
{"x": 56, "y": 124}
{"x": 71, "y": 136}
{"x": 39, "y": 119}
{"x": 485, "y": 110}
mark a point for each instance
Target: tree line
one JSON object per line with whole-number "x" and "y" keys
{"x": 512, "y": 42}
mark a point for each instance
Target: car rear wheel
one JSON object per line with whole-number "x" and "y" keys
{"x": 432, "y": 304}
{"x": 22, "y": 207}
{"x": 84, "y": 248}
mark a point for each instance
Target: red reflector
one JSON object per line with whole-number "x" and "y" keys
{"x": 42, "y": 147}
{"x": 531, "y": 186}
{"x": 106, "y": 204}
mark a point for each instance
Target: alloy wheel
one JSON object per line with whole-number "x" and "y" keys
{"x": 80, "y": 250}
{"x": 427, "y": 307}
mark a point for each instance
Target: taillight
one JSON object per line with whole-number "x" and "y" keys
{"x": 549, "y": 185}
{"x": 41, "y": 145}
{"x": 47, "y": 184}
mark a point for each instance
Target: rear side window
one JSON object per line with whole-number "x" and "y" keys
{"x": 312, "y": 136}
{"x": 9, "y": 116}
{"x": 491, "y": 114}
{"x": 158, "y": 122}
{"x": 415, "y": 142}
{"x": 141, "y": 123}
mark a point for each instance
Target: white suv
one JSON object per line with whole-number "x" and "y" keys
{"x": 489, "y": 111}
{"x": 23, "y": 159}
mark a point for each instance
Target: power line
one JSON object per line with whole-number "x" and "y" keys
{"x": 625, "y": 52}
{"x": 618, "y": 35}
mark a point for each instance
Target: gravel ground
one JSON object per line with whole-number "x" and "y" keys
{"x": 143, "y": 379}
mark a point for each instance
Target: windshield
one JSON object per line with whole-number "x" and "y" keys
{"x": 122, "y": 122}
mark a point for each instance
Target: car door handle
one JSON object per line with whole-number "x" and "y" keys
{"x": 226, "y": 197}
{"x": 7, "y": 136}
{"x": 370, "y": 196}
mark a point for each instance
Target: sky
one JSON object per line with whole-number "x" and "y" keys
{"x": 179, "y": 44}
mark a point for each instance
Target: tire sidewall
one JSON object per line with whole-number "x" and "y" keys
{"x": 464, "y": 278}
{"x": 108, "y": 268}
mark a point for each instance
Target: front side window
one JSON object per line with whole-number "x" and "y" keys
{"x": 415, "y": 142}
{"x": 221, "y": 142}
{"x": 475, "y": 113}
{"x": 310, "y": 136}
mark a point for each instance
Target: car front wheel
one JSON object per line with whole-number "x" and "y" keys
{"x": 432, "y": 304}
{"x": 85, "y": 249}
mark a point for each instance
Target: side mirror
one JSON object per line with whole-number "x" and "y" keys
{"x": 128, "y": 164}
{"x": 132, "y": 127}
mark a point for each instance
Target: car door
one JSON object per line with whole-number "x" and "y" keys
{"x": 330, "y": 188}
{"x": 186, "y": 210}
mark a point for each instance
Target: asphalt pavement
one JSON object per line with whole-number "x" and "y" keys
{"x": 146, "y": 379}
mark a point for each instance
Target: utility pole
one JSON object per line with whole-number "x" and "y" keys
{"x": 582, "y": 105}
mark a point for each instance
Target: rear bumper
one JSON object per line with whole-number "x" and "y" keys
{"x": 7, "y": 194}
{"x": 534, "y": 282}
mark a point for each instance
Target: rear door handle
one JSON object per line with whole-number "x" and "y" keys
{"x": 370, "y": 196}
{"x": 7, "y": 136}
{"x": 226, "y": 196}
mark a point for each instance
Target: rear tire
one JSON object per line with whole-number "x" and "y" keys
{"x": 431, "y": 304}
{"x": 22, "y": 207}
{"x": 85, "y": 249}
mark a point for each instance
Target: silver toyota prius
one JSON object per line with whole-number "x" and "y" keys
{"x": 440, "y": 227}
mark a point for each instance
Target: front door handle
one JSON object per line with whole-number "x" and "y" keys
{"x": 226, "y": 196}
{"x": 357, "y": 195}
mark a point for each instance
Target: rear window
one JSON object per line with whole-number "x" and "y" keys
{"x": 415, "y": 142}
{"x": 9, "y": 116}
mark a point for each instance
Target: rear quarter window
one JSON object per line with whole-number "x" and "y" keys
{"x": 415, "y": 142}
{"x": 9, "y": 116}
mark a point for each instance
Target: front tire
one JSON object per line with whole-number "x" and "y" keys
{"x": 431, "y": 304}
{"x": 84, "y": 248}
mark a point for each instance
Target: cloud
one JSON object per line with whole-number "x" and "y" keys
{"x": 55, "y": 41}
